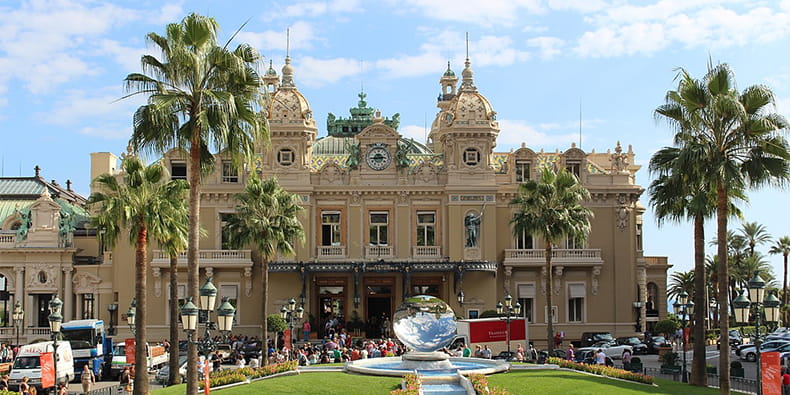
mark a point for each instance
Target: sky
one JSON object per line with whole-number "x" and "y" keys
{"x": 547, "y": 67}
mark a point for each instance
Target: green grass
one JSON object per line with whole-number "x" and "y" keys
{"x": 542, "y": 382}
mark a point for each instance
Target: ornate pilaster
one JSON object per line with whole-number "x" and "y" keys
{"x": 157, "y": 273}
{"x": 543, "y": 275}
{"x": 248, "y": 281}
{"x": 508, "y": 278}
{"x": 596, "y": 271}
{"x": 68, "y": 295}
{"x": 557, "y": 279}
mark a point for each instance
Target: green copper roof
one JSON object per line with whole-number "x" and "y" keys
{"x": 449, "y": 72}
{"x": 8, "y": 207}
{"x": 20, "y": 186}
{"x": 361, "y": 117}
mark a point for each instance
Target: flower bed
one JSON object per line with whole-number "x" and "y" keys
{"x": 412, "y": 383}
{"x": 480, "y": 384}
{"x": 603, "y": 371}
{"x": 226, "y": 377}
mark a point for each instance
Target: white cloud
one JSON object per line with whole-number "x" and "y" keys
{"x": 783, "y": 106}
{"x": 577, "y": 5}
{"x": 312, "y": 9}
{"x": 127, "y": 57}
{"x": 418, "y": 133}
{"x": 107, "y": 132}
{"x": 478, "y": 12}
{"x": 549, "y": 46}
{"x": 514, "y": 132}
{"x": 318, "y": 72}
{"x": 168, "y": 13}
{"x": 302, "y": 36}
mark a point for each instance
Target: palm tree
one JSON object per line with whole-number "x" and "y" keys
{"x": 201, "y": 96}
{"x": 755, "y": 234}
{"x": 148, "y": 205}
{"x": 782, "y": 246}
{"x": 740, "y": 143}
{"x": 550, "y": 208}
{"x": 266, "y": 219}
{"x": 681, "y": 282}
{"x": 712, "y": 282}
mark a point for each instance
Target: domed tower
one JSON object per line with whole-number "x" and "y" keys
{"x": 292, "y": 128}
{"x": 271, "y": 80}
{"x": 466, "y": 130}
{"x": 448, "y": 82}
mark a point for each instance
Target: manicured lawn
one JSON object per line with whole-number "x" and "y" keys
{"x": 542, "y": 382}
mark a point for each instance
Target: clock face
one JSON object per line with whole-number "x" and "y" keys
{"x": 378, "y": 158}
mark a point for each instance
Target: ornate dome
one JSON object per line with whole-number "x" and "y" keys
{"x": 469, "y": 106}
{"x": 287, "y": 103}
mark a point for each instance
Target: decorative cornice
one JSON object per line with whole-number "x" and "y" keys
{"x": 384, "y": 267}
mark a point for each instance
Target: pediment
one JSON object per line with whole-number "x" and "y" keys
{"x": 378, "y": 132}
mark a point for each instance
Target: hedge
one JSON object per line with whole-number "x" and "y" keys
{"x": 603, "y": 370}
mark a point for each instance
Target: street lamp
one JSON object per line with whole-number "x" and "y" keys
{"x": 684, "y": 308}
{"x": 510, "y": 312}
{"x": 638, "y": 308}
{"x": 757, "y": 300}
{"x": 112, "y": 308}
{"x": 288, "y": 314}
{"x": 130, "y": 316}
{"x": 55, "y": 319}
{"x": 18, "y": 316}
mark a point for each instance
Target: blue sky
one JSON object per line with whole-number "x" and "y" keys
{"x": 62, "y": 64}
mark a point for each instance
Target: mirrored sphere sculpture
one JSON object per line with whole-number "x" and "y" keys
{"x": 424, "y": 323}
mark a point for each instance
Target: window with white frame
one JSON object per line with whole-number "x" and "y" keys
{"x": 576, "y": 295}
{"x": 231, "y": 291}
{"x": 230, "y": 174}
{"x": 526, "y": 297}
{"x": 426, "y": 228}
{"x": 553, "y": 314}
{"x": 87, "y": 306}
{"x": 524, "y": 241}
{"x": 574, "y": 243}
{"x": 522, "y": 170}
{"x": 639, "y": 236}
{"x": 330, "y": 228}
{"x": 379, "y": 221}
{"x": 574, "y": 167}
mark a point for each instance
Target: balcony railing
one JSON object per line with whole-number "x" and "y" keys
{"x": 7, "y": 240}
{"x": 331, "y": 251}
{"x": 537, "y": 257}
{"x": 218, "y": 258}
{"x": 426, "y": 252}
{"x": 375, "y": 252}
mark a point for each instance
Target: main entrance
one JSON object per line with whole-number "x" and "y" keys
{"x": 378, "y": 303}
{"x": 331, "y": 293}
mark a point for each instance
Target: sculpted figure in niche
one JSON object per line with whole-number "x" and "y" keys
{"x": 472, "y": 224}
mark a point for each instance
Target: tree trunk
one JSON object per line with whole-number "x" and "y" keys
{"x": 549, "y": 294}
{"x": 174, "y": 377}
{"x": 784, "y": 292}
{"x": 193, "y": 249}
{"x": 140, "y": 277}
{"x": 264, "y": 308}
{"x": 724, "y": 310}
{"x": 699, "y": 374}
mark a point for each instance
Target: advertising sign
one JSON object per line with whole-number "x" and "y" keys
{"x": 495, "y": 331}
{"x": 47, "y": 370}
{"x": 771, "y": 373}
{"x": 287, "y": 339}
{"x": 206, "y": 370}
{"x": 129, "y": 349}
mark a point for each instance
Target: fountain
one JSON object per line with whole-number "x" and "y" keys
{"x": 425, "y": 324}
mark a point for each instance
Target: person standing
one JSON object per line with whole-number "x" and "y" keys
{"x": 87, "y": 379}
{"x": 569, "y": 354}
{"x": 306, "y": 329}
{"x": 600, "y": 357}
{"x": 125, "y": 380}
{"x": 487, "y": 352}
{"x": 467, "y": 352}
{"x": 627, "y": 360}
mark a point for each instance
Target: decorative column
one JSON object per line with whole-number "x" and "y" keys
{"x": 19, "y": 294}
{"x": 68, "y": 295}
{"x": 641, "y": 283}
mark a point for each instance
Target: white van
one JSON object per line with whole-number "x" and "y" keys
{"x": 28, "y": 364}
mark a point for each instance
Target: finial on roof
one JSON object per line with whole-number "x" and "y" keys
{"x": 288, "y": 70}
{"x": 37, "y": 170}
{"x": 467, "y": 81}
{"x": 68, "y": 185}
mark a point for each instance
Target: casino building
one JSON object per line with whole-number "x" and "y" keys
{"x": 385, "y": 217}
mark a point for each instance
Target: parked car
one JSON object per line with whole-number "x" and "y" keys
{"x": 590, "y": 338}
{"x": 610, "y": 348}
{"x": 653, "y": 343}
{"x": 634, "y": 342}
{"x": 509, "y": 356}
{"x": 164, "y": 373}
{"x": 749, "y": 352}
{"x": 735, "y": 339}
{"x": 588, "y": 356}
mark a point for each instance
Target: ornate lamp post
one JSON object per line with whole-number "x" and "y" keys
{"x": 55, "y": 319}
{"x": 510, "y": 312}
{"x": 638, "y": 308}
{"x": 684, "y": 308}
{"x": 18, "y": 316}
{"x": 189, "y": 318}
{"x": 130, "y": 316}
{"x": 288, "y": 314}
{"x": 112, "y": 308}
{"x": 757, "y": 300}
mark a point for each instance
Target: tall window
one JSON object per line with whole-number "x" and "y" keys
{"x": 426, "y": 228}
{"x": 87, "y": 306}
{"x": 526, "y": 296}
{"x": 178, "y": 170}
{"x": 224, "y": 232}
{"x": 576, "y": 294}
{"x": 574, "y": 243}
{"x": 574, "y": 167}
{"x": 231, "y": 291}
{"x": 639, "y": 237}
{"x": 330, "y": 228}
{"x": 524, "y": 241}
{"x": 522, "y": 170}
{"x": 229, "y": 173}
{"x": 378, "y": 228}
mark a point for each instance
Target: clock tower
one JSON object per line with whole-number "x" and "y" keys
{"x": 378, "y": 145}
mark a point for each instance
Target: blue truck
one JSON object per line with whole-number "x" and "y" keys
{"x": 90, "y": 345}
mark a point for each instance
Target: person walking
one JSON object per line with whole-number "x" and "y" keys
{"x": 306, "y": 328}
{"x": 87, "y": 379}
{"x": 125, "y": 380}
{"x": 569, "y": 354}
{"x": 627, "y": 360}
{"x": 600, "y": 357}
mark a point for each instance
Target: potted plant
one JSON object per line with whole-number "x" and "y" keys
{"x": 669, "y": 363}
{"x": 636, "y": 365}
{"x": 736, "y": 369}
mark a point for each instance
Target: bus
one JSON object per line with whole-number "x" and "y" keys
{"x": 89, "y": 345}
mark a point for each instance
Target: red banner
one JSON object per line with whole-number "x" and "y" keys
{"x": 47, "y": 370}
{"x": 287, "y": 339}
{"x": 129, "y": 350}
{"x": 771, "y": 373}
{"x": 495, "y": 331}
{"x": 206, "y": 370}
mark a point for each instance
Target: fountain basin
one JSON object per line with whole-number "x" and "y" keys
{"x": 398, "y": 366}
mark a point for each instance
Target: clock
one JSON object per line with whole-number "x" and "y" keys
{"x": 378, "y": 158}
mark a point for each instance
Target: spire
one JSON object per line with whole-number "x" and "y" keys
{"x": 288, "y": 70}
{"x": 270, "y": 79}
{"x": 467, "y": 81}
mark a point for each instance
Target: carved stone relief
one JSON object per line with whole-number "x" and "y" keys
{"x": 157, "y": 273}
{"x": 41, "y": 277}
{"x": 85, "y": 283}
{"x": 248, "y": 281}
{"x": 557, "y": 279}
{"x": 595, "y": 273}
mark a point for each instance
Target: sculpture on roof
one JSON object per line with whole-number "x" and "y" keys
{"x": 401, "y": 155}
{"x": 619, "y": 159}
{"x": 354, "y": 155}
{"x": 25, "y": 223}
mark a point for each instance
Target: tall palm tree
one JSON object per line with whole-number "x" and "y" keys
{"x": 741, "y": 144}
{"x": 266, "y": 219}
{"x": 147, "y": 205}
{"x": 551, "y": 208}
{"x": 782, "y": 247}
{"x": 681, "y": 282}
{"x": 712, "y": 269}
{"x": 755, "y": 234}
{"x": 201, "y": 96}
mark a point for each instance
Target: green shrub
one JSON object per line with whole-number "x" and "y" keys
{"x": 666, "y": 327}
{"x": 669, "y": 359}
{"x": 603, "y": 370}
{"x": 275, "y": 323}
